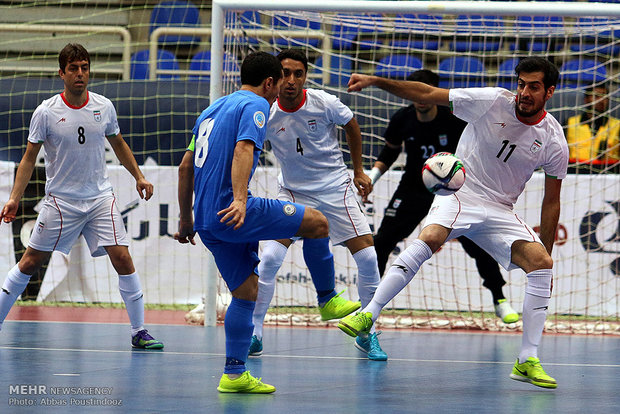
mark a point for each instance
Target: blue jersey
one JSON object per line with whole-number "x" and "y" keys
{"x": 236, "y": 117}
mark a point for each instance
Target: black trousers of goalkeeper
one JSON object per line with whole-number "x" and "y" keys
{"x": 406, "y": 210}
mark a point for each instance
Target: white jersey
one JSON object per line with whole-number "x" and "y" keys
{"x": 499, "y": 152}
{"x": 305, "y": 142}
{"x": 74, "y": 143}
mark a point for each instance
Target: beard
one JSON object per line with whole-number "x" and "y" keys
{"x": 525, "y": 113}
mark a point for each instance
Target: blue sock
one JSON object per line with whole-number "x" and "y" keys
{"x": 238, "y": 327}
{"x": 320, "y": 262}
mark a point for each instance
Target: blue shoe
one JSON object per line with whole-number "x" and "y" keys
{"x": 145, "y": 341}
{"x": 256, "y": 346}
{"x": 370, "y": 345}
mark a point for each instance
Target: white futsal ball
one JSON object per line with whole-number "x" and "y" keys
{"x": 443, "y": 173}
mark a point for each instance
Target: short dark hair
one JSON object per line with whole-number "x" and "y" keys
{"x": 589, "y": 90}
{"x": 294, "y": 54}
{"x": 538, "y": 64}
{"x": 425, "y": 76}
{"x": 71, "y": 53}
{"x": 258, "y": 66}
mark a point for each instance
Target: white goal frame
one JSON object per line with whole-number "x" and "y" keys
{"x": 504, "y": 8}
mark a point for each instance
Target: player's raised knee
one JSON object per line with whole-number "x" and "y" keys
{"x": 543, "y": 261}
{"x": 314, "y": 225}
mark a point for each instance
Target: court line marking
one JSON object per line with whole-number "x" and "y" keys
{"x": 314, "y": 357}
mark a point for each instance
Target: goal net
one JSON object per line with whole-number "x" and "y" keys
{"x": 158, "y": 100}
{"x": 467, "y": 49}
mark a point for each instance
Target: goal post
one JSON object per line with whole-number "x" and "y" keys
{"x": 388, "y": 41}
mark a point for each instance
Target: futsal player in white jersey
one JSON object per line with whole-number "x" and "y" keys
{"x": 507, "y": 138}
{"x": 302, "y": 130}
{"x": 72, "y": 127}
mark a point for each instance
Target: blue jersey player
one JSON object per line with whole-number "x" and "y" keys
{"x": 218, "y": 165}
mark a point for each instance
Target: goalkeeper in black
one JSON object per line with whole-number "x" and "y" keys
{"x": 426, "y": 130}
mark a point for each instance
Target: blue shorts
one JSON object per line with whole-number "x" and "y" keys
{"x": 236, "y": 251}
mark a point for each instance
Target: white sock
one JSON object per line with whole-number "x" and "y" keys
{"x": 367, "y": 275}
{"x": 535, "y": 304}
{"x": 131, "y": 292}
{"x": 399, "y": 275}
{"x": 13, "y": 286}
{"x": 271, "y": 259}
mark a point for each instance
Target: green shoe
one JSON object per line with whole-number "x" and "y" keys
{"x": 337, "y": 308}
{"x": 245, "y": 383}
{"x": 144, "y": 340}
{"x": 504, "y": 311}
{"x": 353, "y": 325}
{"x": 531, "y": 371}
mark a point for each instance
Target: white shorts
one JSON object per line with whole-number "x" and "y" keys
{"x": 61, "y": 221}
{"x": 492, "y": 227}
{"x": 344, "y": 214}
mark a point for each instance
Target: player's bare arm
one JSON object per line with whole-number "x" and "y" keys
{"x": 550, "y": 212}
{"x": 185, "y": 191}
{"x": 354, "y": 140}
{"x": 125, "y": 156}
{"x": 234, "y": 214}
{"x": 24, "y": 172}
{"x": 413, "y": 91}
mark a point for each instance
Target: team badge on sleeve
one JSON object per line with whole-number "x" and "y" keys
{"x": 259, "y": 119}
{"x": 536, "y": 146}
{"x": 97, "y": 116}
{"x": 289, "y": 209}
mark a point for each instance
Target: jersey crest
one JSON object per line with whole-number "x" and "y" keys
{"x": 443, "y": 140}
{"x": 312, "y": 125}
{"x": 97, "y": 116}
{"x": 536, "y": 146}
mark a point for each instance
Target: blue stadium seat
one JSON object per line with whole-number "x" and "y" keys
{"x": 581, "y": 73}
{"x": 598, "y": 41}
{"x": 397, "y": 66}
{"x": 506, "y": 77}
{"x": 538, "y": 33}
{"x": 474, "y": 28}
{"x": 202, "y": 61}
{"x": 340, "y": 68}
{"x": 140, "y": 64}
{"x": 246, "y": 20}
{"x": 461, "y": 72}
{"x": 175, "y": 13}
{"x": 282, "y": 22}
{"x": 347, "y": 29}
{"x": 419, "y": 31}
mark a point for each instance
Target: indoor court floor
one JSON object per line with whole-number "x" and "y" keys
{"x": 93, "y": 369}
